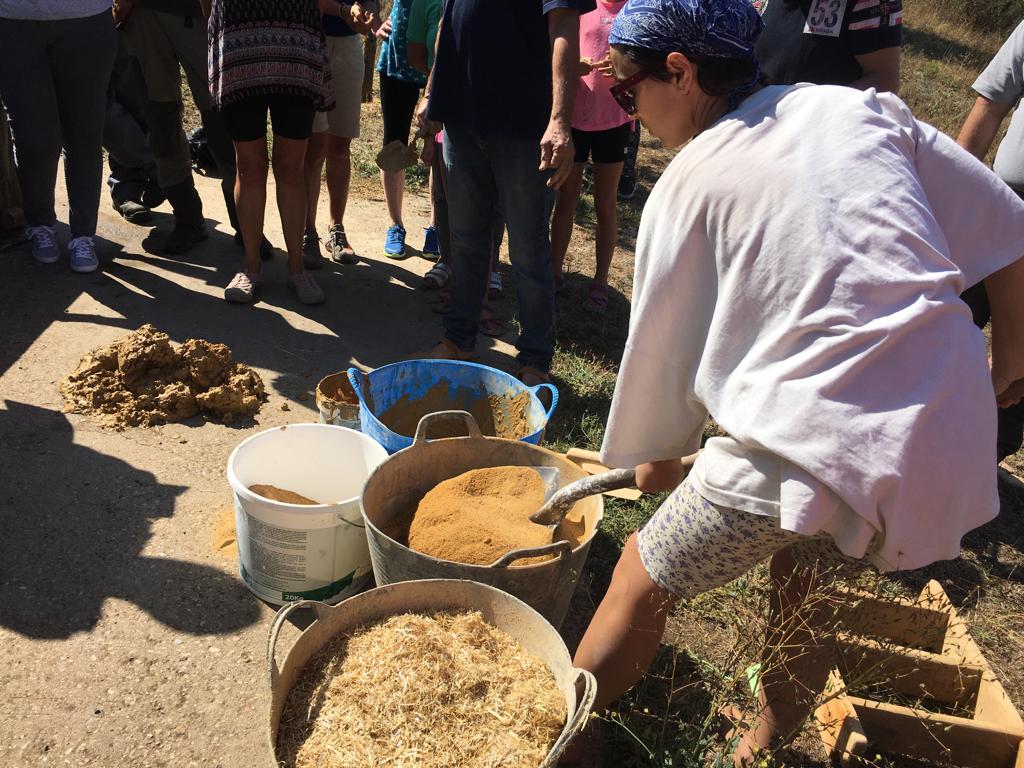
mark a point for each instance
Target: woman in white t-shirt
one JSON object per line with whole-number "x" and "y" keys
{"x": 797, "y": 279}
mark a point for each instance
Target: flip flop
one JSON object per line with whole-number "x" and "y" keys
{"x": 597, "y": 299}
{"x": 490, "y": 324}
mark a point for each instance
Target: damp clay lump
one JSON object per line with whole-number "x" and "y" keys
{"x": 142, "y": 380}
{"x": 496, "y": 415}
{"x": 281, "y": 494}
{"x": 479, "y": 516}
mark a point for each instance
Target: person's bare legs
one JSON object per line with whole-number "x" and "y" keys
{"x": 562, "y": 219}
{"x": 251, "y": 197}
{"x": 316, "y": 153}
{"x": 290, "y": 179}
{"x": 606, "y": 190}
{"x": 393, "y": 183}
{"x": 339, "y": 177}
{"x": 624, "y": 635}
{"x": 800, "y": 643}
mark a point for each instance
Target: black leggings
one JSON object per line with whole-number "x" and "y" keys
{"x": 398, "y": 100}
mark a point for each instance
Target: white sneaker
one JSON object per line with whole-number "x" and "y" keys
{"x": 82, "y": 255}
{"x": 43, "y": 241}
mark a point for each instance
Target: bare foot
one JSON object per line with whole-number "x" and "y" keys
{"x": 755, "y": 738}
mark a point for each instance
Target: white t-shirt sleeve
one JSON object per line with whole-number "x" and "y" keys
{"x": 959, "y": 186}
{"x": 655, "y": 413}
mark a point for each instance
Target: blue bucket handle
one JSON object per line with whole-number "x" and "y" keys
{"x": 428, "y": 421}
{"x": 356, "y": 378}
{"x": 554, "y": 398}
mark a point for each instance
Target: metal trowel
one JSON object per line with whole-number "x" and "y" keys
{"x": 558, "y": 502}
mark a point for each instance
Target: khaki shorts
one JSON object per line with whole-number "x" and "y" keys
{"x": 347, "y": 67}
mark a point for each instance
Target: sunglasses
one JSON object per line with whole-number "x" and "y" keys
{"x": 622, "y": 92}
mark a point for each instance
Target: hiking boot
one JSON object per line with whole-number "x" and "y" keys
{"x": 431, "y": 246}
{"x": 337, "y": 243}
{"x": 394, "y": 244}
{"x": 43, "y": 242}
{"x": 134, "y": 213}
{"x": 183, "y": 237}
{"x": 312, "y": 256}
{"x": 82, "y": 255}
{"x": 242, "y": 288}
{"x": 266, "y": 249}
{"x": 305, "y": 288}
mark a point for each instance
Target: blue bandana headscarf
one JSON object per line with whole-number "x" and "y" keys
{"x": 714, "y": 28}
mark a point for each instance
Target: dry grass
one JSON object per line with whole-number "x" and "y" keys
{"x": 422, "y": 691}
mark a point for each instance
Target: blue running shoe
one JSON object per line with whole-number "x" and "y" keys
{"x": 431, "y": 246}
{"x": 394, "y": 245}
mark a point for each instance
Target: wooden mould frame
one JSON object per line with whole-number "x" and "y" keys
{"x": 922, "y": 649}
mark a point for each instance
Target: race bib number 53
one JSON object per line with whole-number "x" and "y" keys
{"x": 825, "y": 18}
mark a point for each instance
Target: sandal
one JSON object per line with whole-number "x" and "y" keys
{"x": 448, "y": 350}
{"x": 531, "y": 376}
{"x": 494, "y": 288}
{"x": 438, "y": 276}
{"x": 490, "y": 324}
{"x": 597, "y": 299}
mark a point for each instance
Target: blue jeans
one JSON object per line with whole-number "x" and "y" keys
{"x": 485, "y": 175}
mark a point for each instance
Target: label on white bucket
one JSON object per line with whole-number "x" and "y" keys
{"x": 284, "y": 564}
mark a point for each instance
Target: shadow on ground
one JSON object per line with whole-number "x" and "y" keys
{"x": 75, "y": 523}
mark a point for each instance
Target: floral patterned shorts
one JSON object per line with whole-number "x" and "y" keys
{"x": 691, "y": 546}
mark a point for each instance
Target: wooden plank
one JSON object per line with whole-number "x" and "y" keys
{"x": 918, "y": 674}
{"x": 590, "y": 462}
{"x": 838, "y": 727}
{"x": 940, "y": 738}
{"x": 901, "y": 621}
{"x": 994, "y": 707}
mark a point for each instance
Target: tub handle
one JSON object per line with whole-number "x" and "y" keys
{"x": 431, "y": 418}
{"x": 320, "y": 609}
{"x": 554, "y": 398}
{"x": 579, "y": 717}
{"x": 356, "y": 378}
{"x": 562, "y": 548}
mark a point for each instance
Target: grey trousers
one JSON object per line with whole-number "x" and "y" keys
{"x": 161, "y": 42}
{"x": 53, "y": 81}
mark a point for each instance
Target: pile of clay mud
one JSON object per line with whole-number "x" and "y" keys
{"x": 497, "y": 415}
{"x": 142, "y": 380}
{"x": 481, "y": 515}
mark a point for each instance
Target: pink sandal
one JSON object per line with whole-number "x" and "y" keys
{"x": 597, "y": 298}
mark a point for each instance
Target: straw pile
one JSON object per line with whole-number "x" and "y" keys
{"x": 422, "y": 691}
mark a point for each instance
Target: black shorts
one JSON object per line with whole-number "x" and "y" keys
{"x": 290, "y": 114}
{"x": 606, "y": 146}
{"x": 398, "y": 100}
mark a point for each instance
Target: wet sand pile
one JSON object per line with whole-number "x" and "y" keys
{"x": 422, "y": 691}
{"x": 496, "y": 415}
{"x": 481, "y": 515}
{"x": 142, "y": 380}
{"x": 281, "y": 494}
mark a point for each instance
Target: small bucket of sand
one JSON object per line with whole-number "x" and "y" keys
{"x": 337, "y": 401}
{"x": 299, "y": 531}
{"x": 345, "y": 701}
{"x": 543, "y": 576}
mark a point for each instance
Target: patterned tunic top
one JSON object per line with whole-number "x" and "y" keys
{"x": 264, "y": 47}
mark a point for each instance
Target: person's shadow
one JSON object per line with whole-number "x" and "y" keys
{"x": 74, "y": 523}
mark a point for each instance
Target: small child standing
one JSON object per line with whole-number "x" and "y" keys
{"x": 600, "y": 131}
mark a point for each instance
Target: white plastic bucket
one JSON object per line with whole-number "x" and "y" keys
{"x": 290, "y": 552}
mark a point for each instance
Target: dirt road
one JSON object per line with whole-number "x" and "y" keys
{"x": 125, "y": 640}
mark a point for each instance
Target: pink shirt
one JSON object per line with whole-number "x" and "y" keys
{"x": 596, "y": 110}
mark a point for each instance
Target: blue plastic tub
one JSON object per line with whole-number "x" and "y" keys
{"x": 467, "y": 384}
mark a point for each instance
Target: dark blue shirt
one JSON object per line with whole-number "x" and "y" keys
{"x": 334, "y": 26}
{"x": 492, "y": 72}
